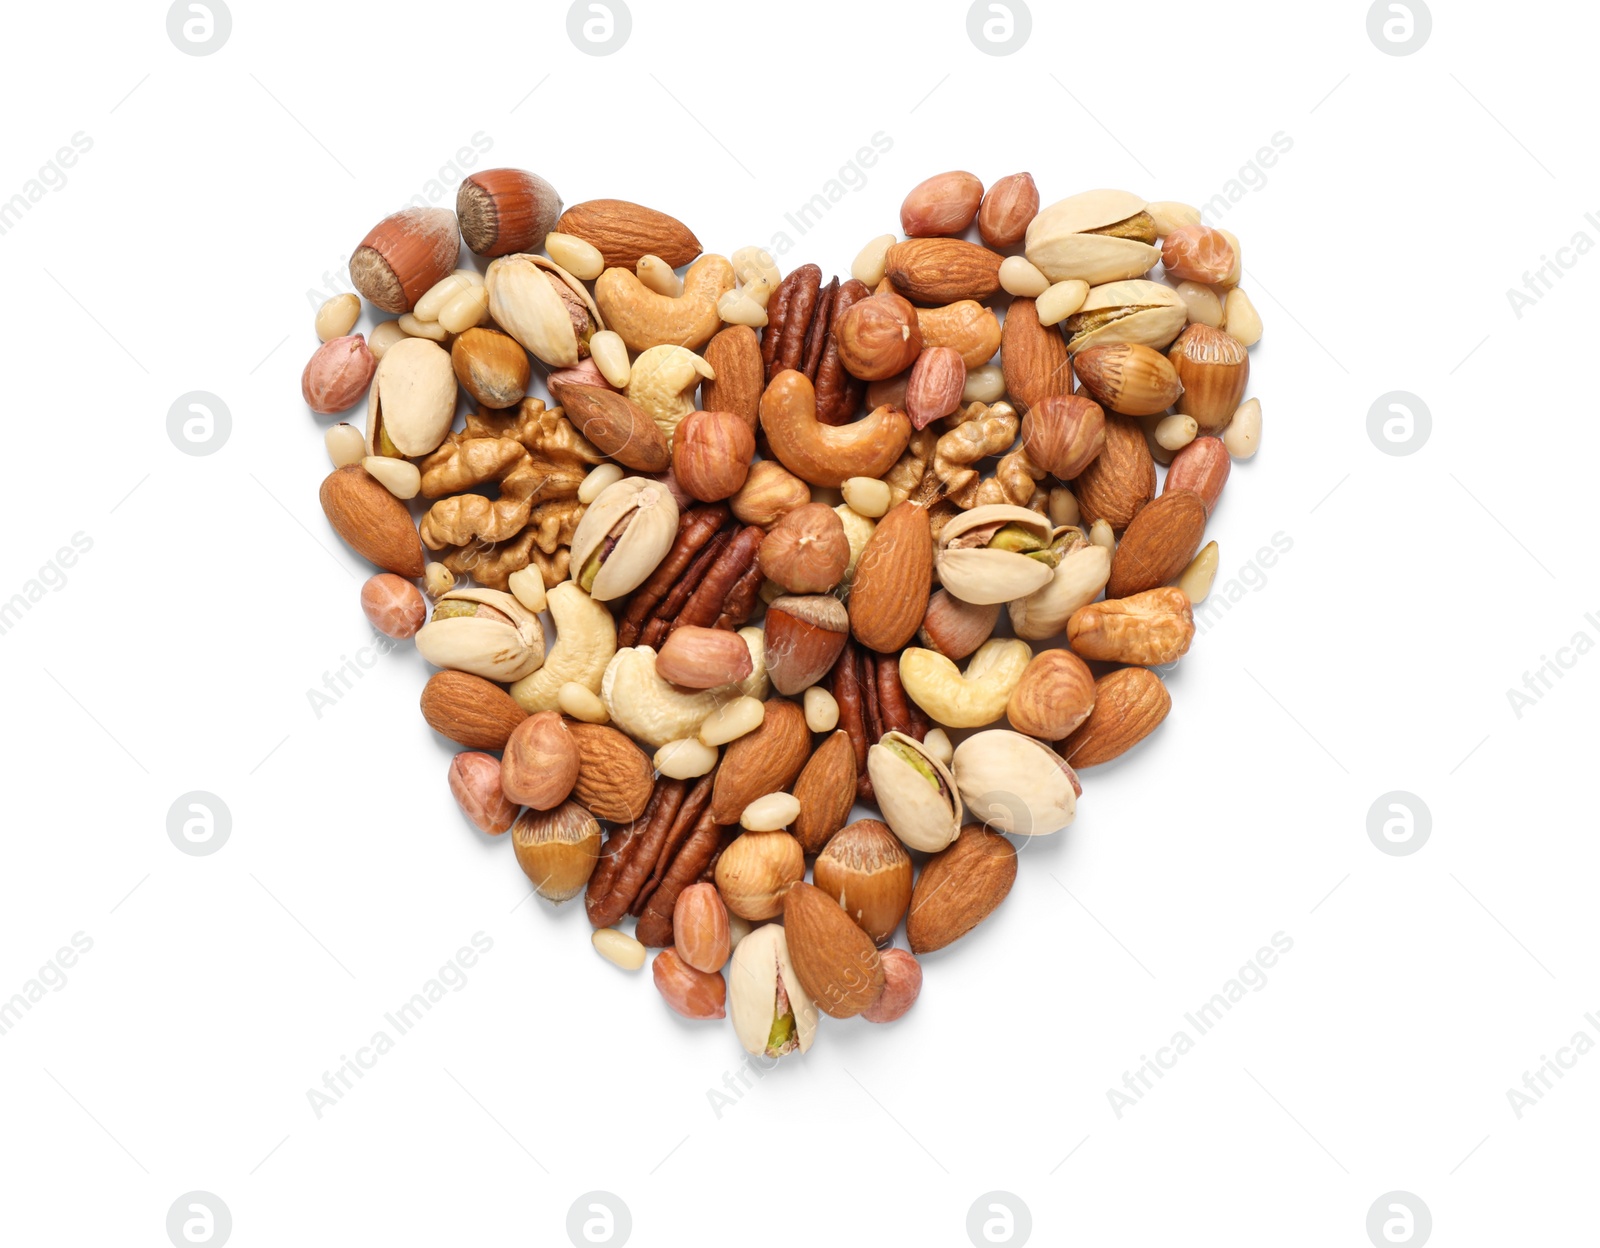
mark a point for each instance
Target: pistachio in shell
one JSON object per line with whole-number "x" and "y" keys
{"x": 919, "y": 797}
{"x": 623, "y": 535}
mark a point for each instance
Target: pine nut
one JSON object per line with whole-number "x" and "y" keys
{"x": 1175, "y": 432}
{"x": 1019, "y": 277}
{"x": 1061, "y": 301}
{"x": 732, "y": 720}
{"x": 610, "y": 356}
{"x": 867, "y": 496}
{"x": 1170, "y": 215}
{"x": 527, "y": 587}
{"x": 1240, "y": 318}
{"x": 469, "y": 308}
{"x": 1063, "y": 507}
{"x": 740, "y": 307}
{"x": 1232, "y": 280}
{"x": 400, "y": 477}
{"x": 581, "y": 702}
{"x": 338, "y": 317}
{"x": 1202, "y": 303}
{"x": 384, "y": 336}
{"x": 869, "y": 265}
{"x": 618, "y": 948}
{"x": 658, "y": 275}
{"x": 577, "y": 256}
{"x": 598, "y": 480}
{"x": 937, "y": 744}
{"x": 1242, "y": 437}
{"x": 437, "y": 580}
{"x": 822, "y": 711}
{"x": 1198, "y": 577}
{"x": 771, "y": 813}
{"x": 685, "y": 759}
{"x": 346, "y": 444}
{"x": 415, "y": 328}
{"x": 443, "y": 291}
{"x": 985, "y": 384}
{"x": 1101, "y": 535}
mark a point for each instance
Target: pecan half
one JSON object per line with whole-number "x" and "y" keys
{"x": 696, "y": 527}
{"x": 872, "y": 701}
{"x": 801, "y": 317}
{"x": 692, "y": 863}
{"x": 639, "y": 860}
{"x": 710, "y": 579}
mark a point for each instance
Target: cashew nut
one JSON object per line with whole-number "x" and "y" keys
{"x": 586, "y": 638}
{"x": 647, "y": 319}
{"x": 966, "y": 325}
{"x": 968, "y": 700}
{"x": 662, "y": 382}
{"x": 650, "y": 709}
{"x": 828, "y": 455}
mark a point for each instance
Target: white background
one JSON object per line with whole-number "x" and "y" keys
{"x": 1375, "y": 656}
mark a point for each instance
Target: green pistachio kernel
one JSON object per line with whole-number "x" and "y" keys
{"x": 454, "y": 608}
{"x": 780, "y": 1035}
{"x": 591, "y": 569}
{"x": 1015, "y": 537}
{"x": 923, "y": 767}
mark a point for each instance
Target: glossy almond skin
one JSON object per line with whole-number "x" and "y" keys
{"x": 889, "y": 595}
{"x": 1033, "y": 357}
{"x": 942, "y": 204}
{"x": 960, "y": 887}
{"x": 1120, "y": 480}
{"x": 700, "y": 931}
{"x": 373, "y": 522}
{"x": 1129, "y": 704}
{"x": 470, "y": 710}
{"x": 540, "y": 764}
{"x": 696, "y": 995}
{"x": 764, "y": 761}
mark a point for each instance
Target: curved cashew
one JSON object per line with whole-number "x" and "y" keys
{"x": 662, "y": 382}
{"x": 646, "y": 319}
{"x": 968, "y": 700}
{"x": 828, "y": 455}
{"x": 645, "y": 706}
{"x": 586, "y": 638}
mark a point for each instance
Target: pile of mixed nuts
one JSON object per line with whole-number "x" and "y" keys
{"x": 761, "y": 596}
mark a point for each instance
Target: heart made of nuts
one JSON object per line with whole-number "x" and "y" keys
{"x": 803, "y": 546}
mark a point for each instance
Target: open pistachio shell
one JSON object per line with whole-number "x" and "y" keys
{"x": 524, "y": 304}
{"x": 761, "y": 966}
{"x": 1014, "y": 783}
{"x": 1146, "y": 314}
{"x": 981, "y": 574}
{"x": 652, "y": 525}
{"x": 651, "y": 709}
{"x": 1062, "y": 245}
{"x": 1077, "y": 581}
{"x": 924, "y": 814}
{"x": 486, "y": 645}
{"x": 412, "y": 401}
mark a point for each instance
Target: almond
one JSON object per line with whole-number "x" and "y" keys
{"x": 703, "y": 658}
{"x": 934, "y": 388}
{"x": 615, "y": 778}
{"x": 763, "y": 761}
{"x": 1203, "y": 467}
{"x": 826, "y": 791}
{"x": 889, "y": 595}
{"x": 836, "y": 962}
{"x": 734, "y": 355}
{"x": 804, "y": 635}
{"x": 468, "y": 709}
{"x": 960, "y": 887}
{"x": 942, "y": 270}
{"x": 1128, "y": 706}
{"x": 624, "y": 232}
{"x": 373, "y": 522}
{"x": 1159, "y": 544}
{"x": 1033, "y": 357}
{"x": 1120, "y": 480}
{"x": 617, "y": 425}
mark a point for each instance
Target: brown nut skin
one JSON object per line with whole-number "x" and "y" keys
{"x": 1063, "y": 433}
{"x": 1159, "y": 544}
{"x": 1033, "y": 357}
{"x": 807, "y": 551}
{"x": 804, "y": 635}
{"x": 1008, "y": 206}
{"x": 393, "y": 605}
{"x": 902, "y": 985}
{"x": 1197, "y": 253}
{"x": 540, "y": 764}
{"x": 1128, "y": 378}
{"x": 711, "y": 455}
{"x": 404, "y": 256}
{"x": 1214, "y": 368}
{"x": 734, "y": 354}
{"x": 703, "y": 658}
{"x": 1055, "y": 695}
{"x": 960, "y": 887}
{"x": 829, "y": 455}
{"x": 768, "y": 494}
{"x": 475, "y": 784}
{"x": 700, "y": 931}
{"x": 1129, "y": 704}
{"x": 694, "y": 994}
{"x": 1120, "y": 480}
{"x": 1203, "y": 467}
{"x": 557, "y": 849}
{"x": 337, "y": 374}
{"x": 889, "y": 595}
{"x": 506, "y": 210}
{"x": 835, "y": 961}
{"x": 933, "y": 389}
{"x": 470, "y": 710}
{"x": 492, "y": 367}
{"x": 878, "y": 337}
{"x": 755, "y": 872}
{"x": 867, "y": 870}
{"x": 942, "y": 204}
{"x": 955, "y": 628}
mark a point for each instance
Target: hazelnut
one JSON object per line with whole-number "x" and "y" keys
{"x": 1063, "y": 433}
{"x": 540, "y": 764}
{"x": 807, "y": 551}
{"x": 804, "y": 636}
{"x": 1213, "y": 367}
{"x": 406, "y": 255}
{"x": 756, "y": 870}
{"x": 1054, "y": 696}
{"x": 878, "y": 337}
{"x": 492, "y": 367}
{"x": 557, "y": 849}
{"x": 769, "y": 493}
{"x": 506, "y": 210}
{"x": 955, "y": 628}
{"x": 711, "y": 454}
{"x": 866, "y": 869}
